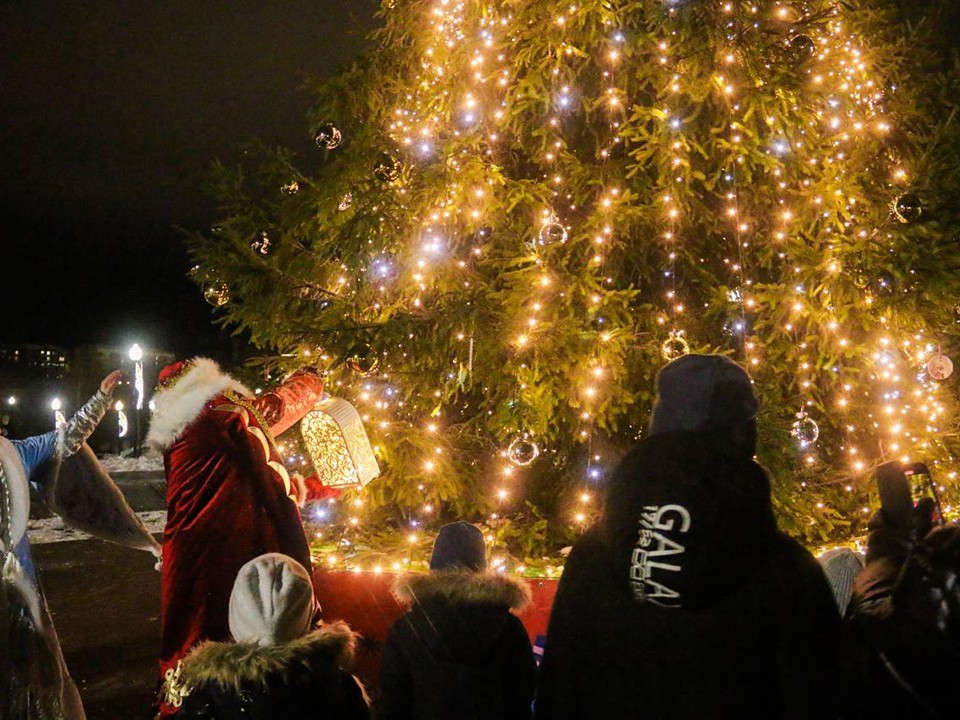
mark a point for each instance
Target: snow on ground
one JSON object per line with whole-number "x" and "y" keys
{"x": 49, "y": 530}
{"x": 122, "y": 463}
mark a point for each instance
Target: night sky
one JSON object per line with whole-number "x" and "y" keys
{"x": 112, "y": 113}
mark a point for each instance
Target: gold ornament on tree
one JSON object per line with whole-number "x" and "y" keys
{"x": 802, "y": 48}
{"x": 805, "y": 429}
{"x": 215, "y": 291}
{"x": 522, "y": 450}
{"x": 338, "y": 445}
{"x": 907, "y": 208}
{"x": 387, "y": 168}
{"x": 552, "y": 232}
{"x": 328, "y": 136}
{"x": 362, "y": 360}
{"x": 674, "y": 346}
{"x": 261, "y": 244}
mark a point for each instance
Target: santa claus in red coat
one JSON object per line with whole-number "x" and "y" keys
{"x": 229, "y": 497}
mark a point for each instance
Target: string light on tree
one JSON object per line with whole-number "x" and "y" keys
{"x": 548, "y": 197}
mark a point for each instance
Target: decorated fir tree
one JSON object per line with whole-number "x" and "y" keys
{"x": 519, "y": 211}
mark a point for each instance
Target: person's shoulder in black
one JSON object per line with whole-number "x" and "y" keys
{"x": 460, "y": 650}
{"x": 685, "y": 600}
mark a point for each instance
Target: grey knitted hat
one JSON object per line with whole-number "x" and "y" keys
{"x": 841, "y": 566}
{"x": 272, "y": 601}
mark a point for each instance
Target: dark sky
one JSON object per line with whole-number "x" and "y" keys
{"x": 111, "y": 113}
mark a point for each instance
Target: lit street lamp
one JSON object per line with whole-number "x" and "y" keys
{"x": 136, "y": 355}
{"x": 121, "y": 419}
{"x": 58, "y": 417}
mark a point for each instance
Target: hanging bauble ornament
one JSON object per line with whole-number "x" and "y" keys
{"x": 217, "y": 294}
{"x": 551, "y": 233}
{"x": 291, "y": 188}
{"x": 907, "y": 208}
{"x": 939, "y": 367}
{"x": 346, "y": 201}
{"x": 802, "y": 48}
{"x": 261, "y": 244}
{"x": 215, "y": 291}
{"x": 861, "y": 281}
{"x": 884, "y": 283}
{"x": 362, "y": 360}
{"x": 483, "y": 234}
{"x": 328, "y": 136}
{"x": 387, "y": 168}
{"x": 674, "y": 346}
{"x": 522, "y": 451}
{"x": 805, "y": 429}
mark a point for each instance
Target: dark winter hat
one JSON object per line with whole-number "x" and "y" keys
{"x": 703, "y": 393}
{"x": 459, "y": 545}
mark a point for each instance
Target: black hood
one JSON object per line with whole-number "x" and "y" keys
{"x": 461, "y": 614}
{"x": 686, "y": 520}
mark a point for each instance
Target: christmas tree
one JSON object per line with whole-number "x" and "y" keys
{"x": 518, "y": 212}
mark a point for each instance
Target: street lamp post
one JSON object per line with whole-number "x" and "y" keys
{"x": 136, "y": 355}
{"x": 58, "y": 418}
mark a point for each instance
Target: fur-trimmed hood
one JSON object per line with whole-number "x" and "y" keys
{"x": 177, "y": 406}
{"x": 463, "y": 588}
{"x": 232, "y": 665}
{"x": 15, "y": 496}
{"x": 459, "y": 614}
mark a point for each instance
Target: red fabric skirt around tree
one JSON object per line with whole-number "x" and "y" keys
{"x": 364, "y": 601}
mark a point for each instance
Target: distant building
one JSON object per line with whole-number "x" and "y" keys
{"x": 33, "y": 377}
{"x": 44, "y": 362}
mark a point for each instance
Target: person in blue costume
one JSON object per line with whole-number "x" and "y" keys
{"x": 61, "y": 467}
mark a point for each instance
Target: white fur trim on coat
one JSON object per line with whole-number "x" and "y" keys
{"x": 176, "y": 407}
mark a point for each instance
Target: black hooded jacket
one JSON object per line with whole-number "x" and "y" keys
{"x": 459, "y": 652}
{"x": 685, "y": 601}
{"x": 904, "y": 648}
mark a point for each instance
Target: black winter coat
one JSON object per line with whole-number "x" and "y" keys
{"x": 299, "y": 680}
{"x": 685, "y": 601}
{"x": 459, "y": 652}
{"x": 904, "y": 647}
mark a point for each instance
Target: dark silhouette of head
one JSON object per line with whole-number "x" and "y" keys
{"x": 707, "y": 393}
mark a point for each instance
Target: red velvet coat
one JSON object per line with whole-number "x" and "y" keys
{"x": 229, "y": 499}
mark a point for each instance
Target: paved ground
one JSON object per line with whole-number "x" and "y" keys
{"x": 105, "y": 602}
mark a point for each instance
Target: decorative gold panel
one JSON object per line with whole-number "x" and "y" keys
{"x": 338, "y": 445}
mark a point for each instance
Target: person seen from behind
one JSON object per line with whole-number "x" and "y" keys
{"x": 280, "y": 664}
{"x": 904, "y": 618}
{"x": 62, "y": 470}
{"x": 460, "y": 652}
{"x": 684, "y": 600}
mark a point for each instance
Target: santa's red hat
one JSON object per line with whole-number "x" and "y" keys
{"x": 171, "y": 373}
